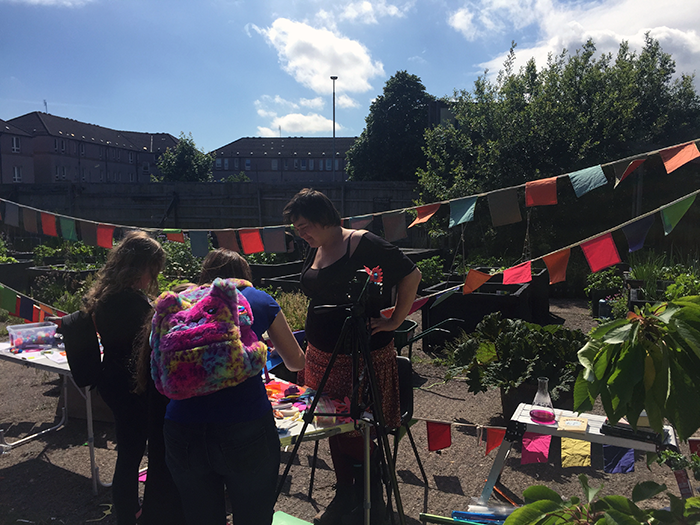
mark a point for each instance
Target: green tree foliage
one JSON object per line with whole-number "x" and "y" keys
{"x": 581, "y": 109}
{"x": 390, "y": 146}
{"x": 185, "y": 163}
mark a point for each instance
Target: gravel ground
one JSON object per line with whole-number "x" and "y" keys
{"x": 47, "y": 481}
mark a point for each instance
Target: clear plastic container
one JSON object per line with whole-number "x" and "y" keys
{"x": 32, "y": 335}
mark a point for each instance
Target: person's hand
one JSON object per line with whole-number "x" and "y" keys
{"x": 382, "y": 324}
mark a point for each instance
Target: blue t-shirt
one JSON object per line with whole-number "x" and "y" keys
{"x": 236, "y": 404}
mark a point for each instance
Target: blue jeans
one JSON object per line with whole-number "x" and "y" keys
{"x": 203, "y": 458}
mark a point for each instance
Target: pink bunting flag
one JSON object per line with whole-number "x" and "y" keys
{"x": 677, "y": 156}
{"x": 519, "y": 274}
{"x": 556, "y": 265}
{"x": 417, "y": 305}
{"x": 601, "y": 252}
{"x": 535, "y": 448}
{"x": 424, "y": 213}
{"x": 541, "y": 192}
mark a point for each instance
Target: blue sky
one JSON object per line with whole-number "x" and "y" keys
{"x": 226, "y": 69}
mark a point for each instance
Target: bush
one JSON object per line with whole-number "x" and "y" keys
{"x": 685, "y": 285}
{"x": 294, "y": 305}
{"x": 180, "y": 263}
{"x": 432, "y": 270}
{"x": 608, "y": 279}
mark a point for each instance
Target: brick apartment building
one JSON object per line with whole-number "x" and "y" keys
{"x": 41, "y": 148}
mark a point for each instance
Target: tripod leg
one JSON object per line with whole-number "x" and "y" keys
{"x": 313, "y": 468}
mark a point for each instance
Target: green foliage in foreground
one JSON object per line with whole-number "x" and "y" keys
{"x": 545, "y": 507}
{"x": 648, "y": 361}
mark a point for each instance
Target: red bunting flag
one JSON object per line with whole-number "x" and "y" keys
{"x": 494, "y": 438}
{"x": 48, "y": 224}
{"x": 631, "y": 167}
{"x": 175, "y": 235}
{"x": 541, "y": 192}
{"x": 105, "y": 236}
{"x": 556, "y": 265}
{"x": 677, "y": 156}
{"x": 439, "y": 435}
{"x": 424, "y": 213}
{"x": 251, "y": 241}
{"x": 474, "y": 279}
{"x": 519, "y": 274}
{"x": 601, "y": 252}
{"x": 36, "y": 314}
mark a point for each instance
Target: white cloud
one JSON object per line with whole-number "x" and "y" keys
{"x": 298, "y": 124}
{"x": 50, "y": 3}
{"x": 561, "y": 24}
{"x": 313, "y": 103}
{"x": 367, "y": 12}
{"x": 345, "y": 101}
{"x": 311, "y": 55}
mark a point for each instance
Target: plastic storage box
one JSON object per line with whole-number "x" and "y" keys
{"x": 32, "y": 335}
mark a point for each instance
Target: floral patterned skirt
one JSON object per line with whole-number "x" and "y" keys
{"x": 339, "y": 383}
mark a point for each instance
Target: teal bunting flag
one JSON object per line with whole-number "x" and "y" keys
{"x": 587, "y": 179}
{"x": 462, "y": 210}
{"x": 68, "y": 230}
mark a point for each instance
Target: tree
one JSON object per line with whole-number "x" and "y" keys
{"x": 390, "y": 146}
{"x": 186, "y": 163}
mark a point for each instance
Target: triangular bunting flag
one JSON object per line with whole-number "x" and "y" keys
{"x": 575, "y": 453}
{"x": 677, "y": 156}
{"x": 535, "y": 448}
{"x": 494, "y": 438}
{"x": 601, "y": 252}
{"x": 11, "y": 214}
{"x": 673, "y": 214}
{"x": 636, "y": 232}
{"x": 417, "y": 305}
{"x": 587, "y": 179}
{"x": 360, "y": 222}
{"x": 227, "y": 239}
{"x": 462, "y": 210}
{"x": 274, "y": 239}
{"x": 424, "y": 213}
{"x": 251, "y": 240}
{"x": 631, "y": 167}
{"x": 29, "y": 220}
{"x": 443, "y": 296}
{"x": 68, "y": 228}
{"x": 439, "y": 435}
{"x": 519, "y": 274}
{"x": 556, "y": 265}
{"x": 394, "y": 226}
{"x": 105, "y": 236}
{"x": 48, "y": 224}
{"x": 199, "y": 243}
{"x": 174, "y": 235}
{"x": 88, "y": 232}
{"x": 541, "y": 192}
{"x": 504, "y": 208}
{"x": 474, "y": 279}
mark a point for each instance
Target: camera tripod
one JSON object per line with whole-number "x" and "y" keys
{"x": 355, "y": 335}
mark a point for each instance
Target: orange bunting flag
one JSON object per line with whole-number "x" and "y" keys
{"x": 556, "y": 265}
{"x": 36, "y": 314}
{"x": 424, "y": 213}
{"x": 474, "y": 279}
{"x": 439, "y": 435}
{"x": 519, "y": 274}
{"x": 48, "y": 224}
{"x": 631, "y": 167}
{"x": 601, "y": 252}
{"x": 174, "y": 235}
{"x": 105, "y": 236}
{"x": 251, "y": 241}
{"x": 677, "y": 156}
{"x": 541, "y": 192}
{"x": 494, "y": 438}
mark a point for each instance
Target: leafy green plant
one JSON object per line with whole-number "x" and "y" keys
{"x": 294, "y": 305}
{"x": 619, "y": 305}
{"x": 677, "y": 461}
{"x": 505, "y": 353}
{"x": 545, "y": 507}
{"x": 42, "y": 252}
{"x": 648, "y": 267}
{"x": 608, "y": 279}
{"x": 647, "y": 361}
{"x": 4, "y": 258}
{"x": 685, "y": 284}
{"x": 432, "y": 269}
{"x": 180, "y": 263}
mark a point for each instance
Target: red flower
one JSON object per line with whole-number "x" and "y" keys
{"x": 375, "y": 274}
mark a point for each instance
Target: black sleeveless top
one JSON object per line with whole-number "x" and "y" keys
{"x": 333, "y": 285}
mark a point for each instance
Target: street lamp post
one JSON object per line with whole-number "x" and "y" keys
{"x": 334, "y": 78}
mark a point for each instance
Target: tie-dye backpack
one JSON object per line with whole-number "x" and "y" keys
{"x": 202, "y": 340}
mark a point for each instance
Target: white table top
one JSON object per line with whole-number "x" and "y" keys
{"x": 35, "y": 359}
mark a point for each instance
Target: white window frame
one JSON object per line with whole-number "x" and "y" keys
{"x": 15, "y": 144}
{"x": 17, "y": 174}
